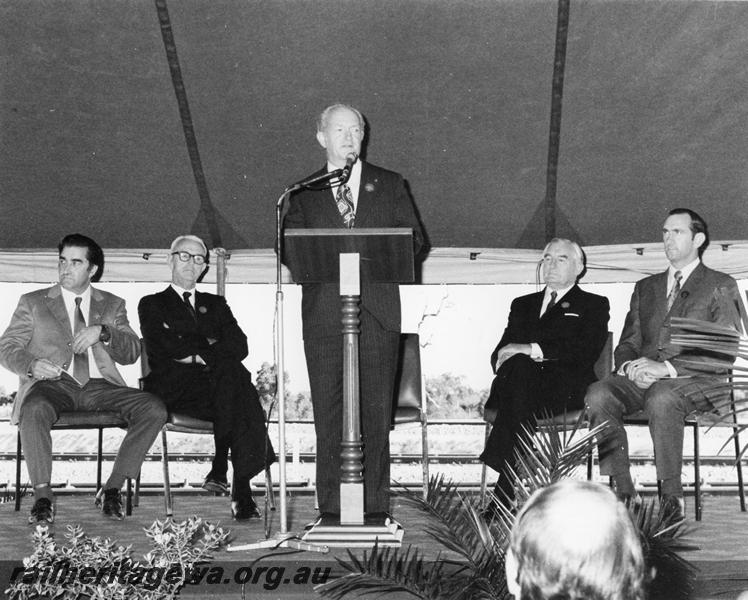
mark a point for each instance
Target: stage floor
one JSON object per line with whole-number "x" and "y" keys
{"x": 721, "y": 538}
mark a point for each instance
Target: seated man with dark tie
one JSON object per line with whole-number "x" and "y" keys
{"x": 545, "y": 359}
{"x": 652, "y": 374}
{"x": 195, "y": 352}
{"x": 63, "y": 342}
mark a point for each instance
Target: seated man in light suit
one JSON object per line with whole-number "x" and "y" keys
{"x": 63, "y": 342}
{"x": 653, "y": 374}
{"x": 545, "y": 359}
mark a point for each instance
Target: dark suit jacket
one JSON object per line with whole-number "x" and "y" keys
{"x": 40, "y": 328}
{"x": 383, "y": 201}
{"x": 571, "y": 335}
{"x": 171, "y": 333}
{"x": 707, "y": 295}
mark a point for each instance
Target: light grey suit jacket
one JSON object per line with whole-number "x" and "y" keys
{"x": 707, "y": 295}
{"x": 40, "y": 328}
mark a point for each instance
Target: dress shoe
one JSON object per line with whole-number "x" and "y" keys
{"x": 43, "y": 512}
{"x": 244, "y": 508}
{"x": 673, "y": 508}
{"x": 217, "y": 485}
{"x": 111, "y": 503}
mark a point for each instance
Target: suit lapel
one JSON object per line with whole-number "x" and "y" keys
{"x": 173, "y": 299}
{"x": 56, "y": 306}
{"x": 367, "y": 195}
{"x": 96, "y": 310}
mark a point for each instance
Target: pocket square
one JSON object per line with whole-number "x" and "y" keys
{"x": 571, "y": 315}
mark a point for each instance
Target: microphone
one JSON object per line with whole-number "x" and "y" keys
{"x": 327, "y": 176}
{"x": 350, "y": 160}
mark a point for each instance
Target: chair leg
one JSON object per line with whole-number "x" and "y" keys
{"x": 483, "y": 472}
{"x": 425, "y": 455}
{"x": 269, "y": 488}
{"x": 128, "y": 500}
{"x": 167, "y": 484}
{"x": 589, "y": 464}
{"x": 696, "y": 471}
{"x": 739, "y": 467}
{"x": 136, "y": 498}
{"x": 18, "y": 472}
{"x": 99, "y": 458}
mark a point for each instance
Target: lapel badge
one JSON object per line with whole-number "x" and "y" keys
{"x": 565, "y": 305}
{"x": 369, "y": 187}
{"x": 202, "y": 310}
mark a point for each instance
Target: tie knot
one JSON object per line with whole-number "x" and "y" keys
{"x": 678, "y": 276}
{"x": 553, "y": 296}
{"x": 186, "y": 296}
{"x": 78, "y": 301}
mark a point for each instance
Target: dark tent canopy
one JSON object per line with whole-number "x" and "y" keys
{"x": 654, "y": 114}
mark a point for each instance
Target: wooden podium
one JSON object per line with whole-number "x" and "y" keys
{"x": 348, "y": 257}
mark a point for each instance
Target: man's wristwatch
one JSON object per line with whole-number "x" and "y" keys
{"x": 105, "y": 334}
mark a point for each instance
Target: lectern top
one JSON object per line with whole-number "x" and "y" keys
{"x": 386, "y": 253}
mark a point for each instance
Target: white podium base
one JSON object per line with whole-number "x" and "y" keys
{"x": 329, "y": 532}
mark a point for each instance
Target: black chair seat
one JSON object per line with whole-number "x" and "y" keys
{"x": 407, "y": 414}
{"x": 186, "y": 424}
{"x": 89, "y": 420}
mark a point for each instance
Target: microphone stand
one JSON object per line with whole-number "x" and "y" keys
{"x": 283, "y": 539}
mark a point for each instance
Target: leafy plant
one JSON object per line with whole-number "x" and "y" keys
{"x": 729, "y": 349}
{"x": 473, "y": 567}
{"x": 96, "y": 568}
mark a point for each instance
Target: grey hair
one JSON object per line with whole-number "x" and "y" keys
{"x": 578, "y": 252}
{"x": 325, "y": 115}
{"x": 191, "y": 238}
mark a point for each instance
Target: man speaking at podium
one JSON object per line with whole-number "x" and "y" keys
{"x": 370, "y": 197}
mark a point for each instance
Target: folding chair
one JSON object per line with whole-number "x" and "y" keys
{"x": 410, "y": 400}
{"x": 99, "y": 420}
{"x": 566, "y": 420}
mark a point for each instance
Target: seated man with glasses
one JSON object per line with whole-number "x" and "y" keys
{"x": 195, "y": 352}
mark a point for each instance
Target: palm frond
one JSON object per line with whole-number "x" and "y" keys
{"x": 386, "y": 571}
{"x": 674, "y": 578}
{"x": 727, "y": 394}
{"x": 550, "y": 454}
{"x": 456, "y": 522}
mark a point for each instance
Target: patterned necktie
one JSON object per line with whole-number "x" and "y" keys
{"x": 344, "y": 200}
{"x": 551, "y": 302}
{"x": 80, "y": 361}
{"x": 186, "y": 296}
{"x": 675, "y": 290}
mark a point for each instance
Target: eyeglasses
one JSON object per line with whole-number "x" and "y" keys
{"x": 198, "y": 259}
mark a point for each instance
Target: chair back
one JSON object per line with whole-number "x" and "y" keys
{"x": 408, "y": 401}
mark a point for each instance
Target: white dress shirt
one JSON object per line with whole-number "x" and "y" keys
{"x": 68, "y": 298}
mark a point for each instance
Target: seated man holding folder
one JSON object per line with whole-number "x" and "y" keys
{"x": 370, "y": 197}
{"x": 63, "y": 342}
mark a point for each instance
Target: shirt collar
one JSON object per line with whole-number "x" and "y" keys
{"x": 180, "y": 292}
{"x": 69, "y": 297}
{"x": 685, "y": 272}
{"x": 559, "y": 293}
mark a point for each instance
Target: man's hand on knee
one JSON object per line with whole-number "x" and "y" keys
{"x": 645, "y": 371}
{"x": 510, "y": 350}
